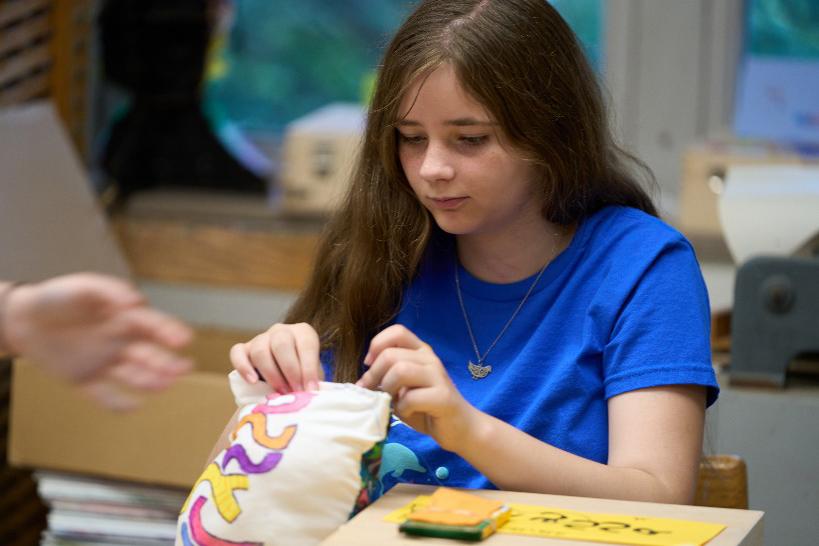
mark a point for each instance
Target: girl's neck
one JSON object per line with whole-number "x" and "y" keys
{"x": 507, "y": 258}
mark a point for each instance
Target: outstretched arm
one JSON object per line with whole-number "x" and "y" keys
{"x": 95, "y": 331}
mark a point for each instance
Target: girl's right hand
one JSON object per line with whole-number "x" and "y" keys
{"x": 286, "y": 356}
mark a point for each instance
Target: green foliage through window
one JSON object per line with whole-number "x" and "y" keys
{"x": 284, "y": 59}
{"x": 783, "y": 28}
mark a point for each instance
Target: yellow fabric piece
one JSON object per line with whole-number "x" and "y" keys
{"x": 550, "y": 522}
{"x": 223, "y": 487}
{"x": 451, "y": 507}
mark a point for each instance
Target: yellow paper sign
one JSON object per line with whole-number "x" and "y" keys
{"x": 541, "y": 521}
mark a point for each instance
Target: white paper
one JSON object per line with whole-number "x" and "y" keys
{"x": 769, "y": 209}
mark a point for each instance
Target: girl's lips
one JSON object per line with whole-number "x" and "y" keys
{"x": 449, "y": 203}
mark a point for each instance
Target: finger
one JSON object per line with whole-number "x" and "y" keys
{"x": 241, "y": 362}
{"x": 307, "y": 349}
{"x": 396, "y": 335}
{"x": 114, "y": 289}
{"x": 138, "y": 377}
{"x": 286, "y": 356}
{"x": 146, "y": 366}
{"x": 158, "y": 359}
{"x": 110, "y": 396}
{"x": 148, "y": 324}
{"x": 406, "y": 375}
{"x": 373, "y": 377}
{"x": 261, "y": 358}
{"x": 417, "y": 401}
{"x": 102, "y": 291}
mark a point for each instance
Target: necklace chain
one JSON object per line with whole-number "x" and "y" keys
{"x": 479, "y": 370}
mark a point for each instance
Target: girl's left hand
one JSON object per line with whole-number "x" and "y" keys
{"x": 424, "y": 396}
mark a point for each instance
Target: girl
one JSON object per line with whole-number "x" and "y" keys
{"x": 499, "y": 271}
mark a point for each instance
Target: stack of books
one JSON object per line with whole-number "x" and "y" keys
{"x": 97, "y": 512}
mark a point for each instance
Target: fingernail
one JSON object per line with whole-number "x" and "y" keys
{"x": 251, "y": 378}
{"x": 313, "y": 386}
{"x": 367, "y": 359}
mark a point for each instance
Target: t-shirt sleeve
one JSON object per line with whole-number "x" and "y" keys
{"x": 661, "y": 327}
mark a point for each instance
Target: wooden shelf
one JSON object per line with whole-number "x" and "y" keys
{"x": 217, "y": 239}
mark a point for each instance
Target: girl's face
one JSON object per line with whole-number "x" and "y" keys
{"x": 454, "y": 157}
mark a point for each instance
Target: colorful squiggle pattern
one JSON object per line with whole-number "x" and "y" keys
{"x": 224, "y": 485}
{"x": 300, "y": 401}
{"x": 201, "y": 536}
{"x": 238, "y": 452}
{"x": 258, "y": 424}
{"x": 186, "y": 539}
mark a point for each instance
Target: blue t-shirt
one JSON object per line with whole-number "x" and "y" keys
{"x": 624, "y": 307}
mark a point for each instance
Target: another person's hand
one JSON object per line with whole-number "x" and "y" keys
{"x": 424, "y": 396}
{"x": 98, "y": 332}
{"x": 286, "y": 356}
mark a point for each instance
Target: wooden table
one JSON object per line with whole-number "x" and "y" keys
{"x": 369, "y": 528}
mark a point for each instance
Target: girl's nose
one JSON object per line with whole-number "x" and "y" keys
{"x": 436, "y": 164}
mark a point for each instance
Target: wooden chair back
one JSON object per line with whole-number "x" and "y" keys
{"x": 722, "y": 482}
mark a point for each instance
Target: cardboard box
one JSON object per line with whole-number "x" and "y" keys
{"x": 318, "y": 156}
{"x": 166, "y": 442}
{"x": 704, "y": 168}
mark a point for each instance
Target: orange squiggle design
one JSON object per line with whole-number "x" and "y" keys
{"x": 223, "y": 487}
{"x": 258, "y": 424}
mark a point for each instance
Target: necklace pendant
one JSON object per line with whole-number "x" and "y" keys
{"x": 478, "y": 371}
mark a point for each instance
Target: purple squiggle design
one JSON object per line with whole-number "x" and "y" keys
{"x": 238, "y": 452}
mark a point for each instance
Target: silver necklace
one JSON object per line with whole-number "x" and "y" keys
{"x": 478, "y": 369}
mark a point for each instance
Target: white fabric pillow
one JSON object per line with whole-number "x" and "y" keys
{"x": 293, "y": 470}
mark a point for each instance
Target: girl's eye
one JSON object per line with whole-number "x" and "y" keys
{"x": 411, "y": 139}
{"x": 473, "y": 140}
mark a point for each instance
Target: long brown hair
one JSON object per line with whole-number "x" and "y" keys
{"x": 523, "y": 63}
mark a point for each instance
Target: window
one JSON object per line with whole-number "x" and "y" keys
{"x": 279, "y": 60}
{"x": 779, "y": 74}
{"x": 586, "y": 19}
{"x": 283, "y": 59}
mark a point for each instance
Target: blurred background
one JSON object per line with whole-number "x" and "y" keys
{"x": 197, "y": 146}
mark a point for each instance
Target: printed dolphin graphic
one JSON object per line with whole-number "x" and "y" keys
{"x": 396, "y": 459}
